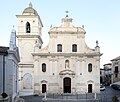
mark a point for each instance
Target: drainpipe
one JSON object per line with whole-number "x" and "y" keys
{"x": 3, "y": 73}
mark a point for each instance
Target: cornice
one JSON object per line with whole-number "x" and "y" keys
{"x": 26, "y": 65}
{"x": 28, "y": 36}
{"x": 21, "y": 36}
{"x": 67, "y": 54}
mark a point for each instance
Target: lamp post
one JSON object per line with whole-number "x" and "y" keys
{"x": 3, "y": 52}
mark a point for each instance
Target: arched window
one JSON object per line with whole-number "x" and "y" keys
{"x": 74, "y": 48}
{"x": 28, "y": 27}
{"x": 59, "y": 48}
{"x": 43, "y": 67}
{"x": 89, "y": 67}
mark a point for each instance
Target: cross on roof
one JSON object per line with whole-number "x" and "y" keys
{"x": 66, "y": 13}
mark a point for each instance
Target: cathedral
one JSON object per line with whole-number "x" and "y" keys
{"x": 65, "y": 65}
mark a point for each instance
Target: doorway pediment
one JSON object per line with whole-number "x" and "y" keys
{"x": 67, "y": 72}
{"x": 89, "y": 81}
{"x": 43, "y": 81}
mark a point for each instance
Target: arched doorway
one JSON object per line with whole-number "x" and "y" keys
{"x": 89, "y": 88}
{"x": 67, "y": 85}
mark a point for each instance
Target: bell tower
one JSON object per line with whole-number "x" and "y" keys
{"x": 29, "y": 34}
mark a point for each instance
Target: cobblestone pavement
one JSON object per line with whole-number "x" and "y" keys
{"x": 104, "y": 96}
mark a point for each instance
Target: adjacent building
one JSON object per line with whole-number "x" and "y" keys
{"x": 106, "y": 74}
{"x": 116, "y": 69}
{"x": 65, "y": 65}
{"x": 9, "y": 59}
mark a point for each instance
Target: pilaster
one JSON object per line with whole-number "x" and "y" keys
{"x": 36, "y": 75}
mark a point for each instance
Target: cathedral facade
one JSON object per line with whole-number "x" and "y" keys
{"x": 65, "y": 65}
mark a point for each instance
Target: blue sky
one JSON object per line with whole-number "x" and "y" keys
{"x": 101, "y": 20}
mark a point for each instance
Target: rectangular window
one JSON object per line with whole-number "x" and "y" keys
{"x": 116, "y": 70}
{"x": 74, "y": 48}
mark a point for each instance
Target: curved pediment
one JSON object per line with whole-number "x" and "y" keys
{"x": 43, "y": 81}
{"x": 65, "y": 72}
{"x": 90, "y": 81}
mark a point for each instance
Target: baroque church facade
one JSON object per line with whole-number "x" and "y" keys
{"x": 65, "y": 65}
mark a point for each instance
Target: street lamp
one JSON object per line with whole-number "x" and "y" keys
{"x": 4, "y": 52}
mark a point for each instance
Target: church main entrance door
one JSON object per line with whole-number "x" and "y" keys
{"x": 67, "y": 85}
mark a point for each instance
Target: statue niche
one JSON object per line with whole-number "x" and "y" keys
{"x": 66, "y": 64}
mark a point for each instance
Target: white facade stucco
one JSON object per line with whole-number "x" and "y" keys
{"x": 65, "y": 65}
